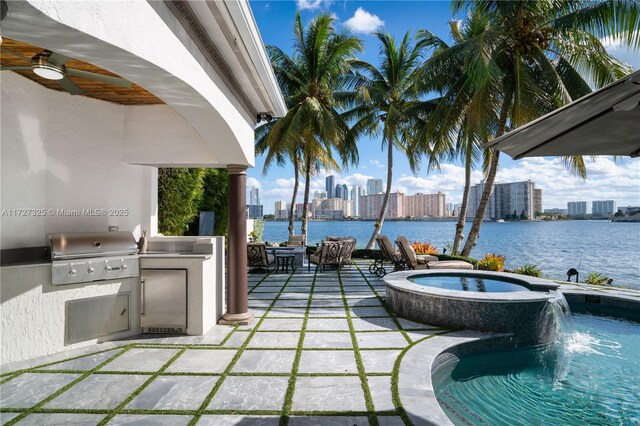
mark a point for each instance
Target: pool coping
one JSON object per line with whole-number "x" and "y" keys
{"x": 399, "y": 281}
{"x": 415, "y": 382}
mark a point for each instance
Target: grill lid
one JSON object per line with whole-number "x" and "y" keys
{"x": 76, "y": 245}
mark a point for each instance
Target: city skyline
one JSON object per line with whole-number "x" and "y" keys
{"x": 554, "y": 197}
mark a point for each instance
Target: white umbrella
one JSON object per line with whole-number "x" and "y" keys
{"x": 605, "y": 122}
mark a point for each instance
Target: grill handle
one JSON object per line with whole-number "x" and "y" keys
{"x": 142, "y": 297}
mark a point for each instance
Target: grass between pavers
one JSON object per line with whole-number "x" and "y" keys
{"x": 286, "y": 412}
{"x": 142, "y": 387}
{"x": 391, "y": 314}
{"x": 66, "y": 387}
{"x": 288, "y": 397}
{"x": 373, "y": 420}
{"x": 234, "y": 360}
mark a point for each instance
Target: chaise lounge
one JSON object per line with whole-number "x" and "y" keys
{"x": 414, "y": 261}
{"x": 389, "y": 254}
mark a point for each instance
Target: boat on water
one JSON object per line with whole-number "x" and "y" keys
{"x": 500, "y": 220}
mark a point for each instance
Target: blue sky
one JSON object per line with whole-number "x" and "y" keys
{"x": 607, "y": 179}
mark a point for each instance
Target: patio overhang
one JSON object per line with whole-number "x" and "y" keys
{"x": 605, "y": 122}
{"x": 206, "y": 61}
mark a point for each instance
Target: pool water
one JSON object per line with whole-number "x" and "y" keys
{"x": 591, "y": 377}
{"x": 468, "y": 283}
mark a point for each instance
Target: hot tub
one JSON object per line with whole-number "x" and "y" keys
{"x": 477, "y": 300}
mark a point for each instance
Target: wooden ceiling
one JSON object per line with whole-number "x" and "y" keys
{"x": 135, "y": 95}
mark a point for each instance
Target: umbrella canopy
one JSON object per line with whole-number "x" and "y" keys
{"x": 605, "y": 122}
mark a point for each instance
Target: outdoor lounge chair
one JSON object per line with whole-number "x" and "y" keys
{"x": 348, "y": 246}
{"x": 329, "y": 253}
{"x": 389, "y": 254}
{"x": 414, "y": 261}
{"x": 257, "y": 256}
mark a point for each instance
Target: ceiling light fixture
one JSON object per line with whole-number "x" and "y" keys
{"x": 46, "y": 70}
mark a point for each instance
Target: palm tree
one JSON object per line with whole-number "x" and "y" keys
{"x": 279, "y": 151}
{"x": 310, "y": 77}
{"x": 531, "y": 58}
{"x": 387, "y": 102}
{"x": 438, "y": 138}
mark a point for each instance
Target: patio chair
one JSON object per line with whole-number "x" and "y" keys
{"x": 348, "y": 246}
{"x": 257, "y": 256}
{"x": 389, "y": 254}
{"x": 415, "y": 261}
{"x": 295, "y": 241}
{"x": 329, "y": 253}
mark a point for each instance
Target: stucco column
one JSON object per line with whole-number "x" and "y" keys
{"x": 237, "y": 290}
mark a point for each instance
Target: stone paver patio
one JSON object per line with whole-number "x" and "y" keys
{"x": 322, "y": 351}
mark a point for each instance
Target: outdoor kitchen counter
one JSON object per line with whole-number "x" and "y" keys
{"x": 155, "y": 254}
{"x": 28, "y": 263}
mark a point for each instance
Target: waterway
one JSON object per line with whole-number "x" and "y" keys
{"x": 612, "y": 249}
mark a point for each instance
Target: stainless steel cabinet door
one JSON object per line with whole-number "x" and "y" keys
{"x": 164, "y": 298}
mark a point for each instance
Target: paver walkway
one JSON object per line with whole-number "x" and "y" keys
{"x": 322, "y": 351}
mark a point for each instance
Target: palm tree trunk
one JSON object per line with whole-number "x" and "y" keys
{"x": 385, "y": 203}
{"x": 292, "y": 208}
{"x": 465, "y": 202}
{"x": 488, "y": 185}
{"x": 305, "y": 205}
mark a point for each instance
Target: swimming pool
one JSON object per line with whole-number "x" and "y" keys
{"x": 592, "y": 376}
{"x": 462, "y": 282}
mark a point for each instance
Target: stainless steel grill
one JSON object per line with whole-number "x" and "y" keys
{"x": 92, "y": 256}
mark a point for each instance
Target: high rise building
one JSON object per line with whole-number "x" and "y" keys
{"x": 341, "y": 192}
{"x": 330, "y": 186}
{"x": 356, "y": 193}
{"x": 254, "y": 211}
{"x": 507, "y": 200}
{"x": 374, "y": 186}
{"x": 280, "y": 211}
{"x": 578, "y": 208}
{"x": 319, "y": 195}
{"x": 254, "y": 197}
{"x": 370, "y": 206}
{"x": 603, "y": 207}
{"x": 332, "y": 209}
{"x": 537, "y": 201}
{"x": 425, "y": 205}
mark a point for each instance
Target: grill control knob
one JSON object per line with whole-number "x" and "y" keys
{"x": 90, "y": 269}
{"x": 72, "y": 272}
{"x": 122, "y": 265}
{"x": 107, "y": 268}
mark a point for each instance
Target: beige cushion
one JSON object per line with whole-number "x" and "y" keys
{"x": 449, "y": 264}
{"x": 424, "y": 258}
{"x": 270, "y": 258}
{"x": 314, "y": 258}
{"x": 411, "y": 254}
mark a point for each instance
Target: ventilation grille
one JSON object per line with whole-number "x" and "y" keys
{"x": 163, "y": 330}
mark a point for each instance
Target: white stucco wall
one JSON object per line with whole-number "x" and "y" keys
{"x": 71, "y": 152}
{"x": 33, "y": 313}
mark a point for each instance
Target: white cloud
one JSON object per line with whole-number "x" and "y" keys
{"x": 617, "y": 48}
{"x": 313, "y": 4}
{"x": 363, "y": 22}
{"x": 253, "y": 183}
{"x": 377, "y": 164}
